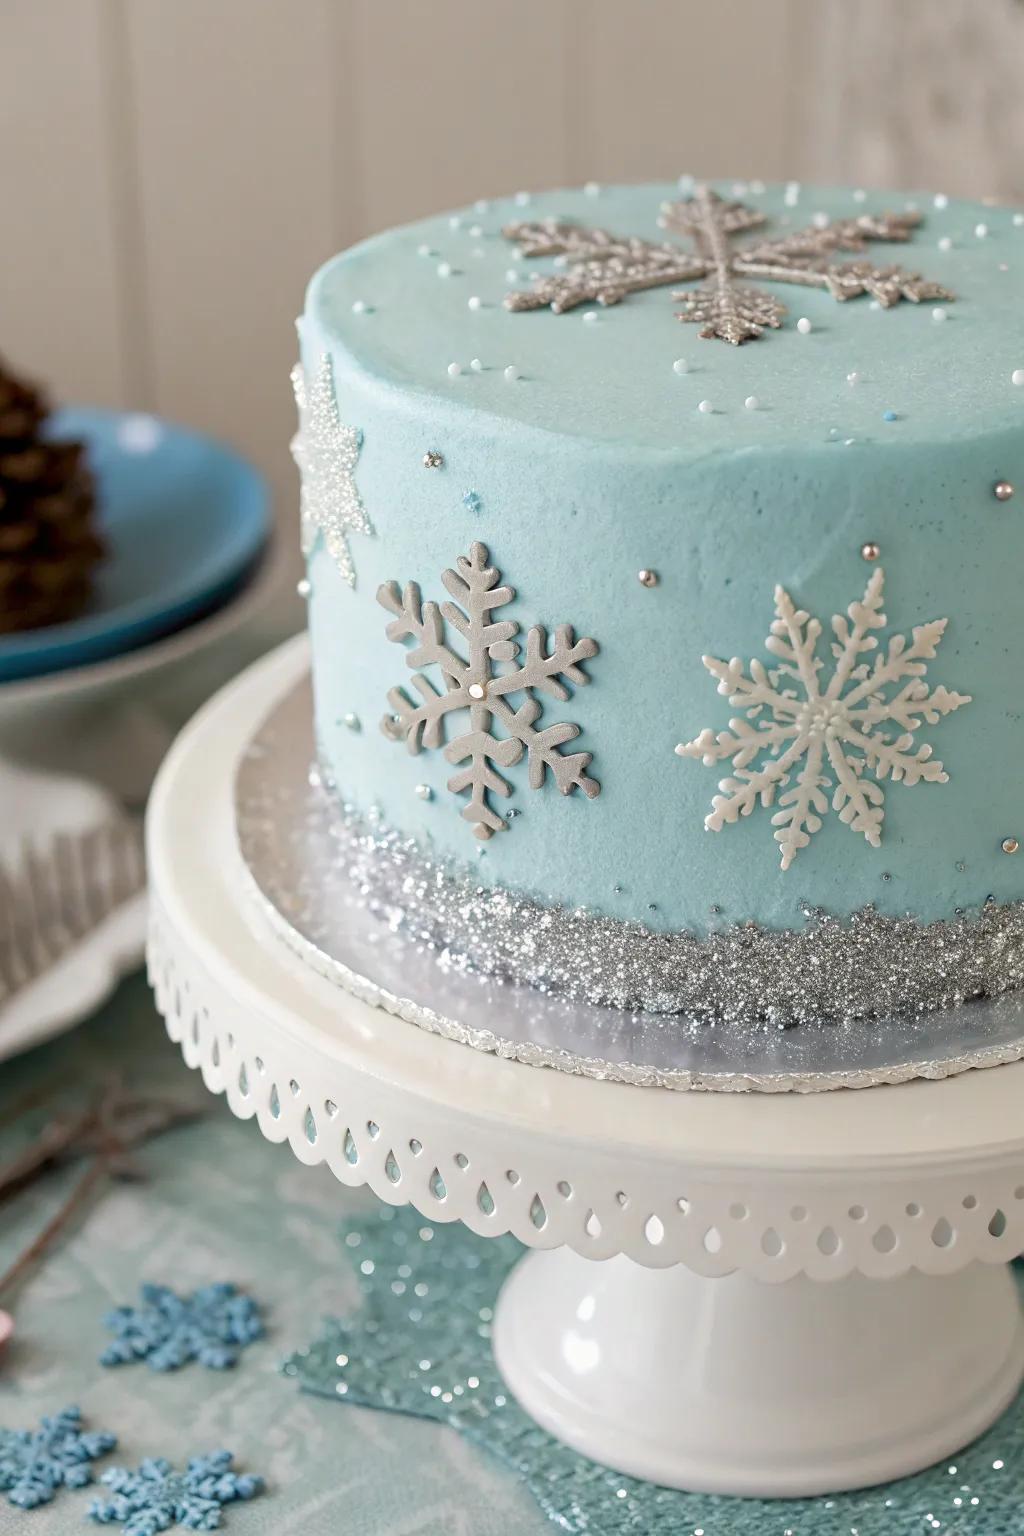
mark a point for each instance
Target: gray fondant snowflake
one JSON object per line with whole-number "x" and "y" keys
{"x": 326, "y": 452}
{"x": 473, "y": 685}
{"x": 603, "y": 268}
{"x": 35, "y": 1463}
{"x": 157, "y": 1497}
{"x": 212, "y": 1326}
{"x": 825, "y": 746}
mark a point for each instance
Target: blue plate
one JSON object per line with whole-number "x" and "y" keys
{"x": 185, "y": 521}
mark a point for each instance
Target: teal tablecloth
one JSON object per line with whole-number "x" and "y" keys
{"x": 219, "y": 1202}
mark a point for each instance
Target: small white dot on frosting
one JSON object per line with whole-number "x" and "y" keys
{"x": 752, "y": 403}
{"x": 945, "y": 244}
{"x": 804, "y": 326}
{"x": 444, "y": 269}
{"x": 522, "y": 198}
{"x": 360, "y": 307}
{"x": 474, "y": 302}
{"x": 512, "y": 276}
{"x": 476, "y": 365}
{"x": 475, "y": 231}
{"x": 511, "y": 372}
{"x": 875, "y": 304}
{"x": 705, "y": 407}
{"x": 560, "y": 261}
{"x": 981, "y": 230}
{"x": 455, "y": 222}
{"x": 481, "y": 205}
{"x": 859, "y": 195}
{"x": 680, "y": 365}
{"x": 1017, "y": 377}
{"x": 938, "y": 313}
{"x": 853, "y": 378}
{"x": 454, "y": 369}
{"x": 819, "y": 220}
{"x": 940, "y": 200}
{"x": 1018, "y": 220}
{"x": 424, "y": 250}
{"x": 590, "y": 315}
{"x": 592, "y": 188}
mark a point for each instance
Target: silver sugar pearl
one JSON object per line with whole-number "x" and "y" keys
{"x": 647, "y": 578}
{"x": 1010, "y": 845}
{"x": 477, "y": 690}
{"x": 1002, "y": 490}
{"x": 424, "y": 792}
{"x": 432, "y": 459}
{"x": 303, "y": 588}
{"x": 352, "y": 721}
{"x": 870, "y": 550}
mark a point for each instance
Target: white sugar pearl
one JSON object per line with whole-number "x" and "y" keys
{"x": 752, "y": 403}
{"x": 475, "y": 231}
{"x": 424, "y": 250}
{"x": 454, "y": 369}
{"x": 945, "y": 244}
{"x": 511, "y": 373}
{"x": 444, "y": 269}
{"x": 560, "y": 261}
{"x": 592, "y": 189}
{"x": 819, "y": 220}
{"x": 981, "y": 230}
{"x": 705, "y": 407}
{"x": 1017, "y": 377}
{"x": 522, "y": 198}
{"x": 481, "y": 205}
{"x": 1018, "y": 220}
{"x": 476, "y": 365}
{"x": 791, "y": 197}
{"x": 680, "y": 365}
{"x": 511, "y": 276}
{"x": 475, "y": 302}
{"x": 739, "y": 189}
{"x": 859, "y": 195}
{"x": 360, "y": 307}
{"x": 804, "y": 326}
{"x": 938, "y": 313}
{"x": 875, "y": 304}
{"x": 455, "y": 222}
{"x": 940, "y": 200}
{"x": 590, "y": 315}
{"x": 853, "y": 378}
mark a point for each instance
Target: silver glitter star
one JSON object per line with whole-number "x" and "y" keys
{"x": 605, "y": 268}
{"x": 326, "y": 452}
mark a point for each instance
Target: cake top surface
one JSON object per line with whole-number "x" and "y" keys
{"x": 397, "y": 310}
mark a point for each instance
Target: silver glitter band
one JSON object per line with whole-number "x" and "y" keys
{"x": 832, "y": 970}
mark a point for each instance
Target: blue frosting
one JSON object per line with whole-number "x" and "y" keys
{"x": 595, "y": 463}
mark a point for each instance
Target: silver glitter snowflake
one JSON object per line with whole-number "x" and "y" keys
{"x": 861, "y": 723}
{"x": 326, "y": 452}
{"x": 604, "y": 268}
{"x": 474, "y": 685}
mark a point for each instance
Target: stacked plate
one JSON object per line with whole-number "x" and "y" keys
{"x": 186, "y": 526}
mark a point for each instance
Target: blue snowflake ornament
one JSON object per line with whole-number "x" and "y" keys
{"x": 35, "y": 1463}
{"x": 156, "y": 1496}
{"x": 213, "y": 1326}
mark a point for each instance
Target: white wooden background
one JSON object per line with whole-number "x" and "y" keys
{"x": 171, "y": 171}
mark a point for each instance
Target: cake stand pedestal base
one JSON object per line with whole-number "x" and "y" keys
{"x": 736, "y": 1386}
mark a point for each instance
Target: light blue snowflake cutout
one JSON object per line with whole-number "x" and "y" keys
{"x": 213, "y": 1326}
{"x": 35, "y": 1463}
{"x": 156, "y": 1496}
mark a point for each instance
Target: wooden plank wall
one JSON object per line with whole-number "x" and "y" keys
{"x": 171, "y": 171}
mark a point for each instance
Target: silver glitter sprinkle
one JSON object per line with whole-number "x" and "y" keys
{"x": 832, "y": 969}
{"x": 326, "y": 452}
{"x": 432, "y": 459}
{"x": 1002, "y": 490}
{"x": 870, "y": 551}
{"x": 1010, "y": 845}
{"x": 647, "y": 578}
{"x": 606, "y": 268}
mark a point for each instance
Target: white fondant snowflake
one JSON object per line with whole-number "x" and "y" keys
{"x": 326, "y": 452}
{"x": 844, "y": 738}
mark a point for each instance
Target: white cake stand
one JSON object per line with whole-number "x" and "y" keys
{"x": 703, "y": 1348}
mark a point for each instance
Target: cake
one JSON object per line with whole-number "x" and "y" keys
{"x": 48, "y": 540}
{"x": 542, "y": 517}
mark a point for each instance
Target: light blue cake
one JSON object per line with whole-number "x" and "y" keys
{"x": 502, "y": 408}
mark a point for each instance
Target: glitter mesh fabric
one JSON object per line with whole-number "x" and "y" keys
{"x": 829, "y": 971}
{"x": 421, "y": 1345}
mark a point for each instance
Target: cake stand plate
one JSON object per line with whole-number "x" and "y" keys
{"x": 674, "y": 1324}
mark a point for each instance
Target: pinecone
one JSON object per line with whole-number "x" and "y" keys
{"x": 48, "y": 545}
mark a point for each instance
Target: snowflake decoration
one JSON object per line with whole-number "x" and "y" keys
{"x": 213, "y": 1326}
{"x": 35, "y": 1463}
{"x": 603, "y": 268}
{"x": 326, "y": 453}
{"x": 475, "y": 686}
{"x": 156, "y": 1496}
{"x": 862, "y": 723}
